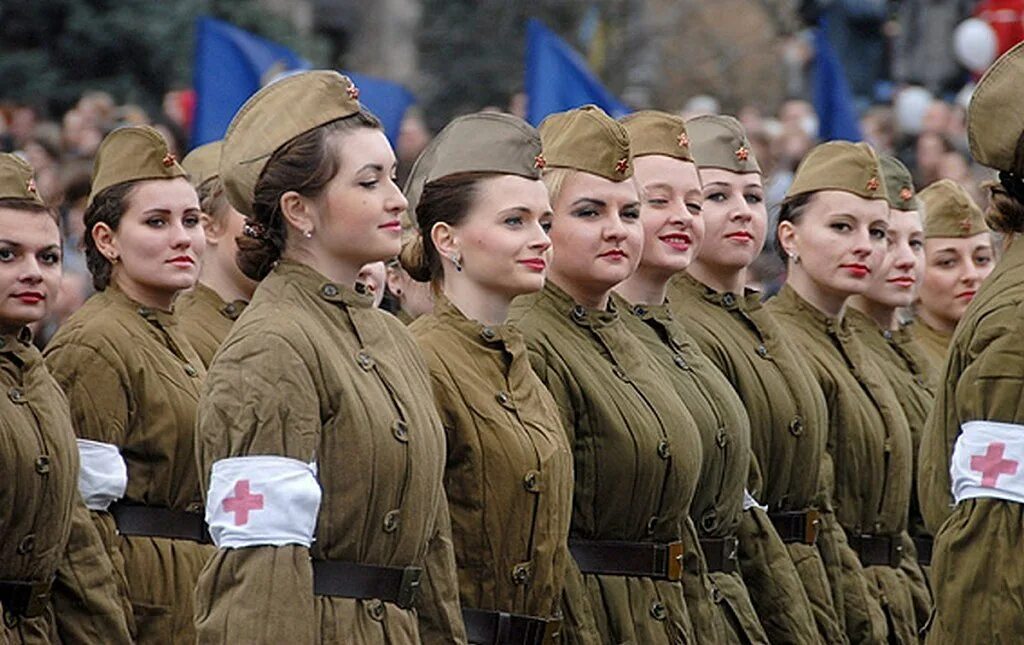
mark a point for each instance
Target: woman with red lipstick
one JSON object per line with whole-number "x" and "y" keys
{"x": 958, "y": 257}
{"x": 832, "y": 231}
{"x": 784, "y": 404}
{"x": 482, "y": 214}
{"x": 320, "y": 450}
{"x": 132, "y": 379}
{"x": 635, "y": 445}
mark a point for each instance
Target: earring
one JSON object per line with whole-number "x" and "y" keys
{"x": 794, "y": 257}
{"x": 456, "y": 260}
{"x": 113, "y": 258}
{"x": 308, "y": 234}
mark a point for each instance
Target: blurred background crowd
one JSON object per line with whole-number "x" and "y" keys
{"x": 76, "y": 69}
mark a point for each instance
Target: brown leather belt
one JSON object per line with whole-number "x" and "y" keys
{"x": 720, "y": 554}
{"x": 877, "y": 550}
{"x": 923, "y": 544}
{"x": 25, "y": 599}
{"x": 797, "y": 526}
{"x": 157, "y": 521}
{"x": 398, "y": 585}
{"x": 641, "y": 559}
{"x": 500, "y": 628}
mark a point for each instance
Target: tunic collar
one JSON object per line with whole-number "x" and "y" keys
{"x": 487, "y": 335}
{"x": 312, "y": 281}
{"x": 230, "y": 310}
{"x": 728, "y": 300}
{"x": 789, "y": 299}
{"x": 158, "y": 316}
{"x": 577, "y": 313}
{"x": 17, "y": 345}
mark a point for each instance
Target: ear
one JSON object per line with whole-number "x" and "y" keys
{"x": 444, "y": 239}
{"x": 395, "y": 281}
{"x": 299, "y": 212}
{"x": 212, "y": 228}
{"x": 786, "y": 234}
{"x": 106, "y": 241}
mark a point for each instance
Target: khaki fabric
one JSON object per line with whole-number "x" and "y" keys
{"x": 870, "y": 447}
{"x": 132, "y": 380}
{"x": 588, "y": 140}
{"x": 934, "y": 344}
{"x": 509, "y": 472}
{"x": 719, "y": 141}
{"x": 132, "y": 153}
{"x": 312, "y": 371}
{"x": 205, "y": 319}
{"x": 203, "y": 163}
{"x": 47, "y": 532}
{"x": 899, "y": 184}
{"x": 976, "y": 575}
{"x": 657, "y": 133}
{"x": 950, "y": 211}
{"x": 840, "y": 165}
{"x": 994, "y": 123}
{"x": 617, "y": 411}
{"x": 17, "y": 179}
{"x": 786, "y": 410}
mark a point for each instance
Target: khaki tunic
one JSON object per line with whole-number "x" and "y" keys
{"x": 132, "y": 380}
{"x": 311, "y": 371}
{"x": 206, "y": 319}
{"x": 976, "y": 572}
{"x": 787, "y": 414}
{"x": 509, "y": 471}
{"x": 935, "y": 345}
{"x": 637, "y": 455}
{"x": 870, "y": 447}
{"x": 46, "y": 531}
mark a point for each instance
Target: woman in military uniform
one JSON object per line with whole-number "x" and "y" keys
{"x": 958, "y": 257}
{"x": 671, "y": 198}
{"x": 832, "y": 230}
{"x": 784, "y": 404}
{"x": 207, "y": 311}
{"x": 56, "y": 581}
{"x": 132, "y": 379}
{"x": 636, "y": 447}
{"x": 971, "y": 485}
{"x": 317, "y": 419}
{"x": 482, "y": 213}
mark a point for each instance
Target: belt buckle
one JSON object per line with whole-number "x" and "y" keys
{"x": 895, "y": 552}
{"x": 409, "y": 587}
{"x": 730, "y": 546}
{"x": 552, "y": 630}
{"x": 675, "y": 561}
{"x": 812, "y": 527}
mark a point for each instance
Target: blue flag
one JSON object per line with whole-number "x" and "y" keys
{"x": 558, "y": 79}
{"x": 231, "y": 64}
{"x": 833, "y": 101}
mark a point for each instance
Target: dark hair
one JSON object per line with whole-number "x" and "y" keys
{"x": 212, "y": 197}
{"x": 108, "y": 206}
{"x": 790, "y": 210}
{"x": 31, "y": 206}
{"x": 1005, "y": 212}
{"x": 445, "y": 200}
{"x": 306, "y": 164}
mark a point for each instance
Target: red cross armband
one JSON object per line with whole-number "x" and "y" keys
{"x": 102, "y": 474}
{"x": 262, "y": 500}
{"x": 987, "y": 462}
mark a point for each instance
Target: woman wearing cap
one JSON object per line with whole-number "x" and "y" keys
{"x": 482, "y": 214}
{"x": 784, "y": 404}
{"x": 671, "y": 197}
{"x": 636, "y": 447}
{"x": 958, "y": 257}
{"x": 56, "y": 581}
{"x": 132, "y": 379}
{"x": 207, "y": 311}
{"x": 832, "y": 230}
{"x": 971, "y": 486}
{"x": 317, "y": 420}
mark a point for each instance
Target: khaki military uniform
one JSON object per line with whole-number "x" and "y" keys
{"x": 870, "y": 447}
{"x": 47, "y": 536}
{"x": 787, "y": 414}
{"x": 132, "y": 380}
{"x": 311, "y": 371}
{"x": 637, "y": 458}
{"x": 206, "y": 319}
{"x": 935, "y": 345}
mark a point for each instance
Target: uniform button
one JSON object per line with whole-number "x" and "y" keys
{"x": 579, "y": 313}
{"x": 652, "y": 524}
{"x": 663, "y": 450}
{"x": 658, "y": 611}
{"x": 375, "y": 609}
{"x": 329, "y": 290}
{"x": 796, "y": 426}
{"x": 231, "y": 309}
{"x": 27, "y": 544}
{"x": 143, "y": 311}
{"x": 709, "y": 520}
{"x": 400, "y": 430}
{"x": 502, "y": 397}
{"x": 488, "y": 333}
{"x": 887, "y": 334}
{"x": 365, "y": 361}
{"x": 11, "y": 619}
{"x": 728, "y": 300}
{"x": 531, "y": 482}
{"x": 621, "y": 373}
{"x": 681, "y": 362}
{"x": 878, "y": 527}
{"x": 521, "y": 574}
{"x": 721, "y": 438}
{"x": 391, "y": 521}
{"x": 762, "y": 351}
{"x": 194, "y": 507}
{"x": 191, "y": 371}
{"x": 42, "y": 464}
{"x": 640, "y": 310}
{"x": 716, "y": 594}
{"x": 16, "y": 395}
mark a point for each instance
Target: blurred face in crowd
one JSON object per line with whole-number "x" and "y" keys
{"x": 222, "y": 230}
{"x": 30, "y": 267}
{"x": 895, "y": 283}
{"x": 836, "y": 247}
{"x": 596, "y": 235}
{"x": 929, "y": 152}
{"x": 158, "y": 242}
{"x": 373, "y": 276}
{"x": 414, "y": 298}
{"x": 954, "y": 270}
{"x": 670, "y": 212}
{"x": 735, "y": 221}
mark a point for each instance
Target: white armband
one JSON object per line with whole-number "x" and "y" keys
{"x": 987, "y": 462}
{"x": 749, "y": 502}
{"x": 262, "y": 500}
{"x": 102, "y": 474}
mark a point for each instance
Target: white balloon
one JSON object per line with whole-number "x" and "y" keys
{"x": 911, "y": 105}
{"x": 974, "y": 44}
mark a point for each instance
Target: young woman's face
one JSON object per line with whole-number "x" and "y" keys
{"x": 954, "y": 270}
{"x": 596, "y": 233}
{"x": 159, "y": 241}
{"x": 358, "y": 212}
{"x": 670, "y": 212}
{"x": 840, "y": 240}
{"x": 735, "y": 219}
{"x": 30, "y": 267}
{"x": 895, "y": 283}
{"x": 503, "y": 239}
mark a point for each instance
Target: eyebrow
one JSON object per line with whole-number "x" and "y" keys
{"x": 371, "y": 166}
{"x": 658, "y": 184}
{"x": 728, "y": 185}
{"x": 588, "y": 200}
{"x": 19, "y": 245}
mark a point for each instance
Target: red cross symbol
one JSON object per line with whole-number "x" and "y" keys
{"x": 991, "y": 465}
{"x": 243, "y": 502}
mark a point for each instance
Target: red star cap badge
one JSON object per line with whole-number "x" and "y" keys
{"x": 352, "y": 91}
{"x": 965, "y": 224}
{"x": 873, "y": 184}
{"x": 906, "y": 194}
{"x": 539, "y": 162}
{"x": 31, "y": 186}
{"x": 168, "y": 160}
{"x": 622, "y": 165}
{"x": 742, "y": 153}
{"x": 683, "y": 140}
